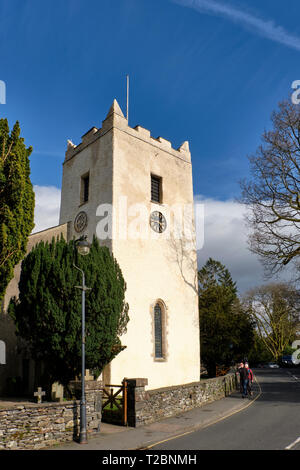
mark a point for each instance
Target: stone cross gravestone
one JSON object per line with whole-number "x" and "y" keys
{"x": 88, "y": 376}
{"x": 39, "y": 394}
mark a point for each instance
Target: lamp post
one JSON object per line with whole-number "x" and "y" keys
{"x": 83, "y": 248}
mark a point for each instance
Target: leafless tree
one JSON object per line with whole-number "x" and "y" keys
{"x": 274, "y": 309}
{"x": 272, "y": 193}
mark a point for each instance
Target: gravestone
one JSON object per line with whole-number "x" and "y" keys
{"x": 39, "y": 394}
{"x": 57, "y": 392}
{"x": 88, "y": 376}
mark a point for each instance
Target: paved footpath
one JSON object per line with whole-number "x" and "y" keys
{"x": 125, "y": 438}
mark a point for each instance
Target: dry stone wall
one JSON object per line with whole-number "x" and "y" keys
{"x": 152, "y": 405}
{"x": 35, "y": 426}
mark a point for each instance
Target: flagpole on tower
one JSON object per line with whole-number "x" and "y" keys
{"x": 127, "y": 99}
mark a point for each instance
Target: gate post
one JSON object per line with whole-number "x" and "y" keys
{"x": 135, "y": 398}
{"x": 125, "y": 420}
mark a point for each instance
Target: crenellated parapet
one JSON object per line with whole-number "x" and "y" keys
{"x": 116, "y": 119}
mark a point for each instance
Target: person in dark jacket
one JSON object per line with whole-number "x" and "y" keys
{"x": 240, "y": 371}
{"x": 244, "y": 380}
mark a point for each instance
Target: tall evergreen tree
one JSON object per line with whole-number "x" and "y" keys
{"x": 226, "y": 331}
{"x": 16, "y": 201}
{"x": 48, "y": 312}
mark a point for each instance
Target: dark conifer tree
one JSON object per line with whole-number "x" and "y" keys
{"x": 226, "y": 332}
{"x": 16, "y": 201}
{"x": 48, "y": 312}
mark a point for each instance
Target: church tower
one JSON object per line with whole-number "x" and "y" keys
{"x": 135, "y": 193}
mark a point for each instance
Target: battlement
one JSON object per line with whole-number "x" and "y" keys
{"x": 115, "y": 119}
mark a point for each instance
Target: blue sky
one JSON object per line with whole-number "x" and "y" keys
{"x": 207, "y": 71}
{"x": 200, "y": 75}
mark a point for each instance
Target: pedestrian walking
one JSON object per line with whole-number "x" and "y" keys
{"x": 244, "y": 380}
{"x": 240, "y": 371}
{"x": 250, "y": 379}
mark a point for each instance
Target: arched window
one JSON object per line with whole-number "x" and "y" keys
{"x": 158, "y": 333}
{"x": 159, "y": 329}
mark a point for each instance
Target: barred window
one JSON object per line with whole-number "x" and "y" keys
{"x": 158, "y": 331}
{"x": 156, "y": 189}
{"x": 84, "y": 192}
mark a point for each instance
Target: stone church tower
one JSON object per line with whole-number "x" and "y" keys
{"x": 135, "y": 193}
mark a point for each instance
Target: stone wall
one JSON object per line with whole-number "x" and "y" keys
{"x": 145, "y": 407}
{"x": 35, "y": 426}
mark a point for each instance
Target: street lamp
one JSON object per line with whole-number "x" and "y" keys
{"x": 83, "y": 248}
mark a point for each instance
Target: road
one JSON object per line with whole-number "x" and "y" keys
{"x": 272, "y": 422}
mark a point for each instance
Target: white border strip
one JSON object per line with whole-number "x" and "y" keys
{"x": 292, "y": 444}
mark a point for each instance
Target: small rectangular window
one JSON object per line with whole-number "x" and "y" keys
{"x": 85, "y": 182}
{"x": 156, "y": 189}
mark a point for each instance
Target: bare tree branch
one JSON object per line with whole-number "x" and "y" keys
{"x": 272, "y": 193}
{"x": 275, "y": 310}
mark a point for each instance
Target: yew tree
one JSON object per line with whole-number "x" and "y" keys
{"x": 16, "y": 201}
{"x": 47, "y": 313}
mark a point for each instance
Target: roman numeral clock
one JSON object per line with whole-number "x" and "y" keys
{"x": 158, "y": 222}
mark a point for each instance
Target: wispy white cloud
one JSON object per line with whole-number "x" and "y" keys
{"x": 263, "y": 27}
{"x": 225, "y": 239}
{"x": 47, "y": 205}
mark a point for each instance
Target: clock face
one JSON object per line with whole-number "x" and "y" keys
{"x": 158, "y": 222}
{"x": 80, "y": 221}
